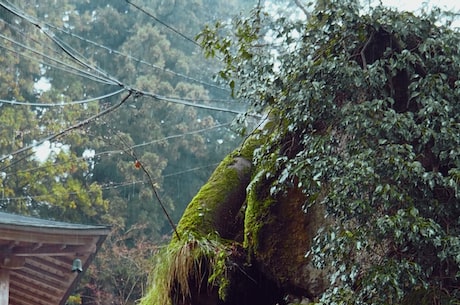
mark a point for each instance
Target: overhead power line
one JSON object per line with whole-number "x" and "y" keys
{"x": 61, "y": 65}
{"x": 187, "y": 103}
{"x": 65, "y": 131}
{"x": 100, "y": 74}
{"x": 110, "y": 185}
{"x": 63, "y": 103}
{"x": 163, "y": 23}
{"x": 113, "y": 51}
{"x": 141, "y": 61}
{"x": 97, "y": 73}
{"x": 68, "y": 50}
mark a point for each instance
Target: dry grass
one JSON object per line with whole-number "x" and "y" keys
{"x": 182, "y": 268}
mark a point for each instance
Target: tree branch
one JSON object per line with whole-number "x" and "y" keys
{"x": 304, "y": 10}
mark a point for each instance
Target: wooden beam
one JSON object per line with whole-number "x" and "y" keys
{"x": 4, "y": 286}
{"x": 67, "y": 237}
{"x": 49, "y": 250}
{"x": 36, "y": 280}
{"x": 35, "y": 293}
{"x": 11, "y": 262}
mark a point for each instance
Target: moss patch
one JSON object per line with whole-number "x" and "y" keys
{"x": 214, "y": 209}
{"x": 192, "y": 269}
{"x": 278, "y": 235}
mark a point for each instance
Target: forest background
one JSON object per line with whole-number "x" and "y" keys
{"x": 106, "y": 107}
{"x": 111, "y": 115}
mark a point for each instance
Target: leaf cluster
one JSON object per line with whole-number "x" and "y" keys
{"x": 367, "y": 124}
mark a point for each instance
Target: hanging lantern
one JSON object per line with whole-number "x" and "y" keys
{"x": 77, "y": 266}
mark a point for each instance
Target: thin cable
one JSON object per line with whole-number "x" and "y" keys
{"x": 183, "y": 102}
{"x": 106, "y": 76}
{"x": 64, "y": 103}
{"x": 112, "y": 79}
{"x": 81, "y": 72}
{"x": 181, "y": 135}
{"x": 140, "y": 165}
{"x": 110, "y": 51}
{"x": 189, "y": 170}
{"x": 137, "y": 59}
{"x": 163, "y": 23}
{"x": 110, "y": 152}
{"x": 21, "y": 32}
{"x": 64, "y": 131}
{"x": 109, "y": 186}
{"x": 187, "y": 102}
{"x": 60, "y": 44}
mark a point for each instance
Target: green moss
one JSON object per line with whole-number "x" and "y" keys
{"x": 199, "y": 215}
{"x": 259, "y": 201}
{"x": 200, "y": 252}
{"x": 257, "y": 211}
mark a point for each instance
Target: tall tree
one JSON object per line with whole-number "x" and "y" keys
{"x": 83, "y": 52}
{"x": 358, "y": 165}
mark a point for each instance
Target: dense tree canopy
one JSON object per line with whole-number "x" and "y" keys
{"x": 73, "y": 131}
{"x": 364, "y": 118}
{"x": 365, "y": 104}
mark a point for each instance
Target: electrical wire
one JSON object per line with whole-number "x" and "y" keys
{"x": 112, "y": 152}
{"x": 110, "y": 185}
{"x": 111, "y": 80}
{"x": 98, "y": 98}
{"x": 77, "y": 58}
{"x": 187, "y": 103}
{"x": 112, "y": 51}
{"x": 163, "y": 23}
{"x": 166, "y": 138}
{"x": 95, "y": 73}
{"x": 103, "y": 75}
{"x": 138, "y": 60}
{"x": 70, "y": 68}
{"x": 64, "y": 131}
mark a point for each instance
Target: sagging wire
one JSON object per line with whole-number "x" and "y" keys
{"x": 139, "y": 165}
{"x": 163, "y": 23}
{"x": 60, "y": 64}
{"x": 141, "y": 61}
{"x": 106, "y": 77}
{"x": 73, "y": 54}
{"x": 184, "y": 102}
{"x": 70, "y": 69}
{"x": 63, "y": 103}
{"x": 65, "y": 131}
{"x": 112, "y": 152}
{"x": 102, "y": 75}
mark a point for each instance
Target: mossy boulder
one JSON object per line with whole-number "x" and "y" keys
{"x": 278, "y": 235}
{"x": 236, "y": 244}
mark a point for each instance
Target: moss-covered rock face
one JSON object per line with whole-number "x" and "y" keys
{"x": 278, "y": 235}
{"x": 208, "y": 263}
{"x": 198, "y": 264}
{"x": 214, "y": 210}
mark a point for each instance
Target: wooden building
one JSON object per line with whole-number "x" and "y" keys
{"x": 37, "y": 257}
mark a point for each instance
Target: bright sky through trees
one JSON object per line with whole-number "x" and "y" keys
{"x": 417, "y": 5}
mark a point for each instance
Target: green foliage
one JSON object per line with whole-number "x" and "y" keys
{"x": 120, "y": 270}
{"x": 368, "y": 127}
{"x": 90, "y": 175}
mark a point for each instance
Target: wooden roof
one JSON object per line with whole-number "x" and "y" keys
{"x": 38, "y": 256}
